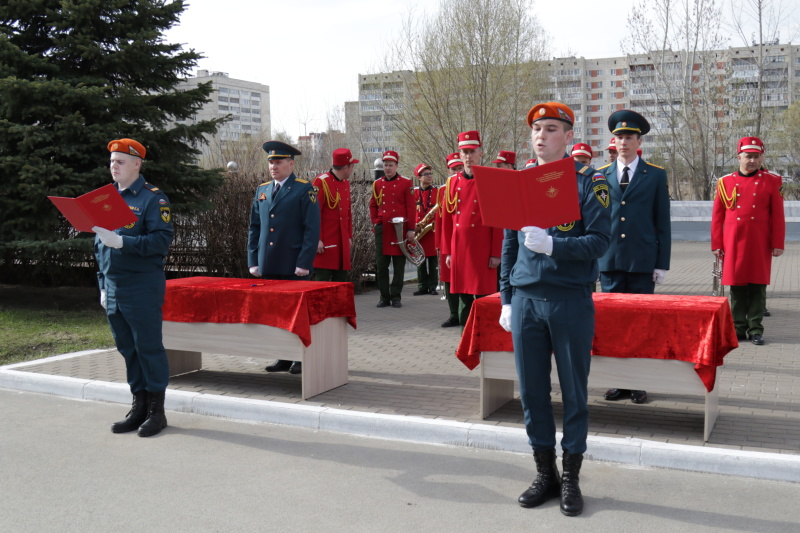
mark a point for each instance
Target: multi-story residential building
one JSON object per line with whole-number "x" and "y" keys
{"x": 246, "y": 102}
{"x": 658, "y": 85}
{"x": 369, "y": 122}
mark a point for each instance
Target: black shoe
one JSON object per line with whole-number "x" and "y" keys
{"x": 135, "y": 417}
{"x": 450, "y": 323}
{"x": 757, "y": 339}
{"x": 420, "y": 292}
{"x": 156, "y": 418}
{"x": 296, "y": 368}
{"x": 767, "y": 313}
{"x": 741, "y": 336}
{"x": 616, "y": 394}
{"x": 396, "y": 304}
{"x": 547, "y": 483}
{"x": 383, "y": 303}
{"x": 433, "y": 292}
{"x": 281, "y": 365}
{"x": 571, "y": 497}
{"x": 638, "y": 396}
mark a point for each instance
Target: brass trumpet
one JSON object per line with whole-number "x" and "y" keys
{"x": 425, "y": 225}
{"x": 717, "y": 288}
{"x": 412, "y": 249}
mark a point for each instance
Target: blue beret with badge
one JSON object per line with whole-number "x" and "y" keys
{"x": 627, "y": 121}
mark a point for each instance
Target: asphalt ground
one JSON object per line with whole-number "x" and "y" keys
{"x": 401, "y": 362}
{"x": 64, "y": 471}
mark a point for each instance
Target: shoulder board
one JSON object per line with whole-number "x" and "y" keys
{"x": 151, "y": 187}
{"x": 300, "y": 180}
{"x": 652, "y": 165}
{"x": 586, "y": 170}
{"x": 323, "y": 176}
{"x": 265, "y": 183}
{"x": 605, "y": 166}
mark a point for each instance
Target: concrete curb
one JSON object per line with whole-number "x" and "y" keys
{"x": 629, "y": 451}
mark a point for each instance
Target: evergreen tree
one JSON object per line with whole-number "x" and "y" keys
{"x": 75, "y": 75}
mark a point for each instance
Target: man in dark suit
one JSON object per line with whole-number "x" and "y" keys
{"x": 284, "y": 227}
{"x": 641, "y": 235}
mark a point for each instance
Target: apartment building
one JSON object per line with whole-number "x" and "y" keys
{"x": 247, "y": 103}
{"x": 595, "y": 88}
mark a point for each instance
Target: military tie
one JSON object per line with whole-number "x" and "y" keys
{"x": 275, "y": 190}
{"x": 623, "y": 183}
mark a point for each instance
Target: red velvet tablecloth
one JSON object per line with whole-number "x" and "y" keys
{"x": 291, "y": 305}
{"x": 696, "y": 329}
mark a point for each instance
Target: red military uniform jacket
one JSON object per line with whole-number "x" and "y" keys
{"x": 747, "y": 223}
{"x": 336, "y": 222}
{"x": 390, "y": 199}
{"x": 444, "y": 270}
{"x": 467, "y": 241}
{"x": 425, "y": 200}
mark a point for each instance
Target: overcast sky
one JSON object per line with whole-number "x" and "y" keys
{"x": 310, "y": 52}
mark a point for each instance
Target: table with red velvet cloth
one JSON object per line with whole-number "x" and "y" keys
{"x": 297, "y": 320}
{"x": 697, "y": 330}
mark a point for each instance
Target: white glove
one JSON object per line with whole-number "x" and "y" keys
{"x": 300, "y": 272}
{"x": 505, "y": 317}
{"x": 537, "y": 240}
{"x": 108, "y": 237}
{"x": 103, "y": 299}
{"x": 254, "y": 271}
{"x": 659, "y": 276}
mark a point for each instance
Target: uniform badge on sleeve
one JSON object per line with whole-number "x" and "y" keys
{"x": 566, "y": 227}
{"x": 312, "y": 195}
{"x": 601, "y": 193}
{"x": 165, "y": 216}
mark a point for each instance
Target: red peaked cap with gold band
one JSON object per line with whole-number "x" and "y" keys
{"x": 582, "y": 149}
{"x": 420, "y": 168}
{"x": 750, "y": 144}
{"x": 127, "y": 146}
{"x": 612, "y": 144}
{"x": 506, "y": 157}
{"x": 391, "y": 155}
{"x": 469, "y": 139}
{"x": 453, "y": 160}
{"x": 554, "y": 110}
{"x": 342, "y": 157}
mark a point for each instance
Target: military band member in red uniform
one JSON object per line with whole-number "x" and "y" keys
{"x": 455, "y": 165}
{"x": 392, "y": 197}
{"x": 612, "y": 150}
{"x": 748, "y": 229}
{"x": 506, "y": 159}
{"x": 582, "y": 153}
{"x": 426, "y": 196}
{"x": 336, "y": 218}
{"x": 470, "y": 249}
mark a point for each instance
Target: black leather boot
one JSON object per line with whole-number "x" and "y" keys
{"x": 135, "y": 416}
{"x": 546, "y": 484}
{"x": 571, "y": 498}
{"x": 156, "y": 419}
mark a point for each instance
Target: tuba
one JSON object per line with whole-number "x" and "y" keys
{"x": 411, "y": 249}
{"x": 717, "y": 288}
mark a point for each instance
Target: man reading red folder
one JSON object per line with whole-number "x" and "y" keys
{"x": 545, "y": 195}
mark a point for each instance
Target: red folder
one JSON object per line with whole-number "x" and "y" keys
{"x": 544, "y": 196}
{"x": 102, "y": 207}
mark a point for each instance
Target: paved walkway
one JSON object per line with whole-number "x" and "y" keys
{"x": 402, "y": 363}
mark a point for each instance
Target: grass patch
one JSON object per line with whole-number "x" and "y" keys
{"x": 40, "y": 322}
